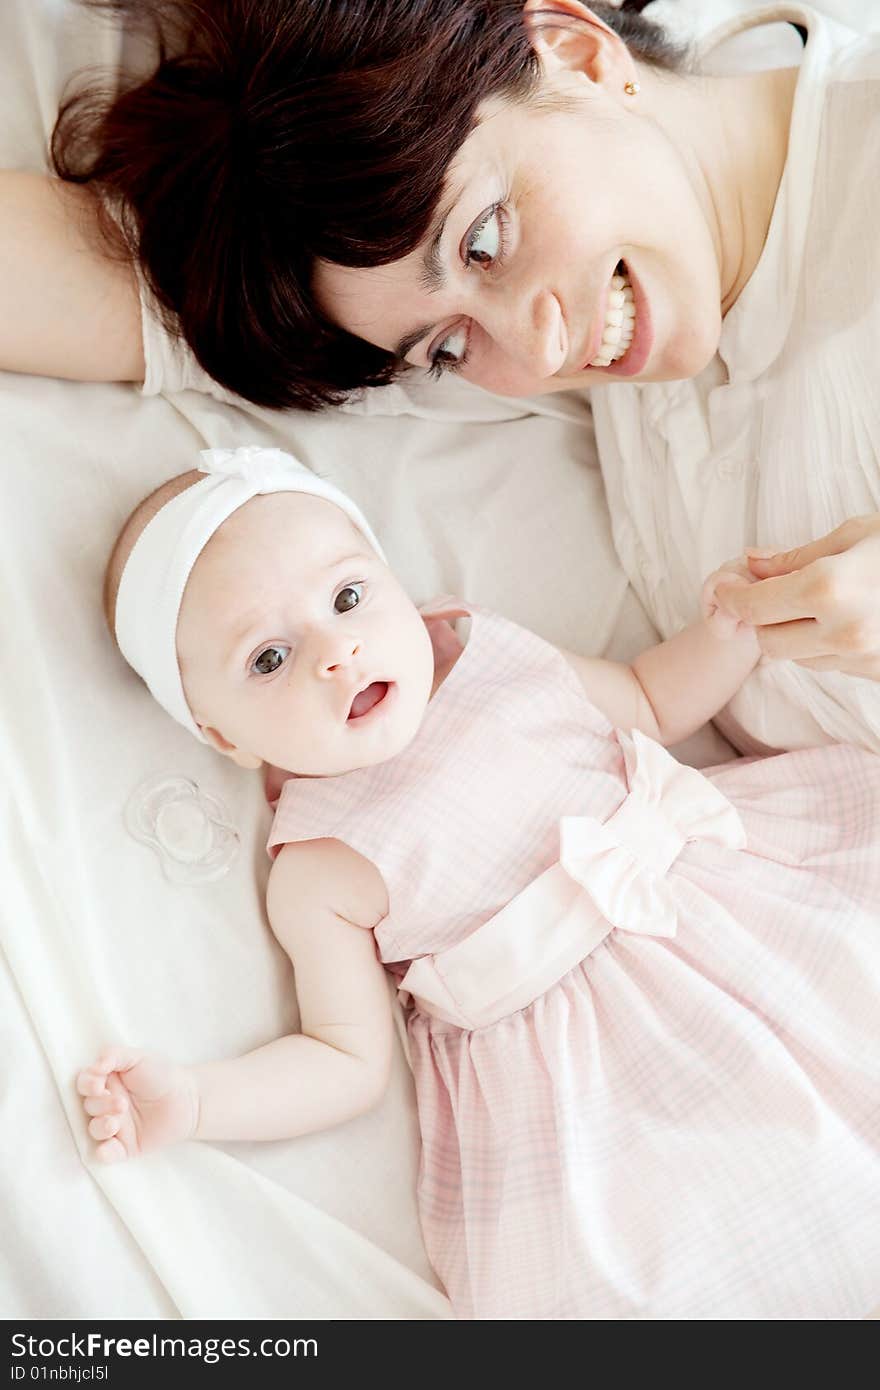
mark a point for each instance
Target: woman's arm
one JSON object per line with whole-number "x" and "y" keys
{"x": 67, "y": 308}
{"x": 323, "y": 899}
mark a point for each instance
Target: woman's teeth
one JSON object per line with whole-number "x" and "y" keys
{"x": 620, "y": 317}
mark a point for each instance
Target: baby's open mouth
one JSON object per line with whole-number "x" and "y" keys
{"x": 367, "y": 699}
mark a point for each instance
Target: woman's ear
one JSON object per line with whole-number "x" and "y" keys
{"x": 568, "y": 36}
{"x": 229, "y": 750}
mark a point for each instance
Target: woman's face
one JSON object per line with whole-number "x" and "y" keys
{"x": 512, "y": 286}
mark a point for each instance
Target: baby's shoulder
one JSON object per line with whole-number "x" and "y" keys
{"x": 312, "y": 877}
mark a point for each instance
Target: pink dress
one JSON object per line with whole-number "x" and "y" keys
{"x": 643, "y": 1002}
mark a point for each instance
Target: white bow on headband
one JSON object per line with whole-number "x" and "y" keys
{"x": 264, "y": 467}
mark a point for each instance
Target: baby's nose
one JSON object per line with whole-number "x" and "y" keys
{"x": 337, "y": 653}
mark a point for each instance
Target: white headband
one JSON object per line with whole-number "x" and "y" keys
{"x": 160, "y": 562}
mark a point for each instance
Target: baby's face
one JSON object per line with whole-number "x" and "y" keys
{"x": 297, "y": 645}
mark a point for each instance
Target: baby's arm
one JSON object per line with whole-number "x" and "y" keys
{"x": 68, "y": 307}
{"x": 672, "y": 689}
{"x": 322, "y": 900}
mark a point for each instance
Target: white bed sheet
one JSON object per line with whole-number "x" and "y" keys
{"x": 486, "y": 499}
{"x": 97, "y": 944}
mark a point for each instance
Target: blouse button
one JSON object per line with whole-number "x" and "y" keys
{"x": 729, "y": 468}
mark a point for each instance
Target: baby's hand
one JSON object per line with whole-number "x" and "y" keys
{"x": 723, "y": 623}
{"x": 138, "y": 1103}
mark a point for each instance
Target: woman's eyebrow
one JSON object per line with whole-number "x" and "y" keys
{"x": 432, "y": 279}
{"x": 409, "y": 340}
{"x": 433, "y": 274}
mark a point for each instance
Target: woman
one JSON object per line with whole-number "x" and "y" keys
{"x": 320, "y": 194}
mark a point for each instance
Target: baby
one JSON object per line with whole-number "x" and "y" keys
{"x": 641, "y": 1000}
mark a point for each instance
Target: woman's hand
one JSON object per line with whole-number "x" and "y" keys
{"x": 138, "y": 1103}
{"x": 818, "y": 604}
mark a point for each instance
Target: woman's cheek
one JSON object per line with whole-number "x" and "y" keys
{"x": 494, "y": 371}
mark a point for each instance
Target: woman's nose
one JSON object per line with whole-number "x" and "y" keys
{"x": 529, "y": 327}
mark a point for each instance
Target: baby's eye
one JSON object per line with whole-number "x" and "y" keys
{"x": 269, "y": 660}
{"x": 348, "y": 598}
{"x": 483, "y": 242}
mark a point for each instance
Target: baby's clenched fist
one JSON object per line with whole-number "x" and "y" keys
{"x": 734, "y": 572}
{"x": 137, "y": 1103}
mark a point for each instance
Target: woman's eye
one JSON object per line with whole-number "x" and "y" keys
{"x": 348, "y": 598}
{"x": 451, "y": 353}
{"x": 269, "y": 660}
{"x": 483, "y": 242}
{"x": 483, "y": 246}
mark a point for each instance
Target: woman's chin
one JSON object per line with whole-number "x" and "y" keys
{"x": 684, "y": 355}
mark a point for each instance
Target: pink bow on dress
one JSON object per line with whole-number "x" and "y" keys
{"x": 609, "y": 874}
{"x": 622, "y": 863}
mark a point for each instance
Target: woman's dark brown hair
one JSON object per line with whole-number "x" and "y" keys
{"x": 271, "y": 133}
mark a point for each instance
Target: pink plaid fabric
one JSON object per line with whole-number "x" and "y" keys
{"x": 684, "y": 1125}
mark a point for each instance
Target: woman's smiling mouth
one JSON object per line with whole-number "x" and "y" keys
{"x": 626, "y": 334}
{"x": 619, "y": 325}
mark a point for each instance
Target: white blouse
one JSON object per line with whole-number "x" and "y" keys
{"x": 778, "y": 440}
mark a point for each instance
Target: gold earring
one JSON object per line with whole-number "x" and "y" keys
{"x": 631, "y": 88}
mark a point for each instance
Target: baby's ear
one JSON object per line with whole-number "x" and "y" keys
{"x": 238, "y": 755}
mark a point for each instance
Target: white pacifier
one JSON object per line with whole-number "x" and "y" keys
{"x": 189, "y": 829}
